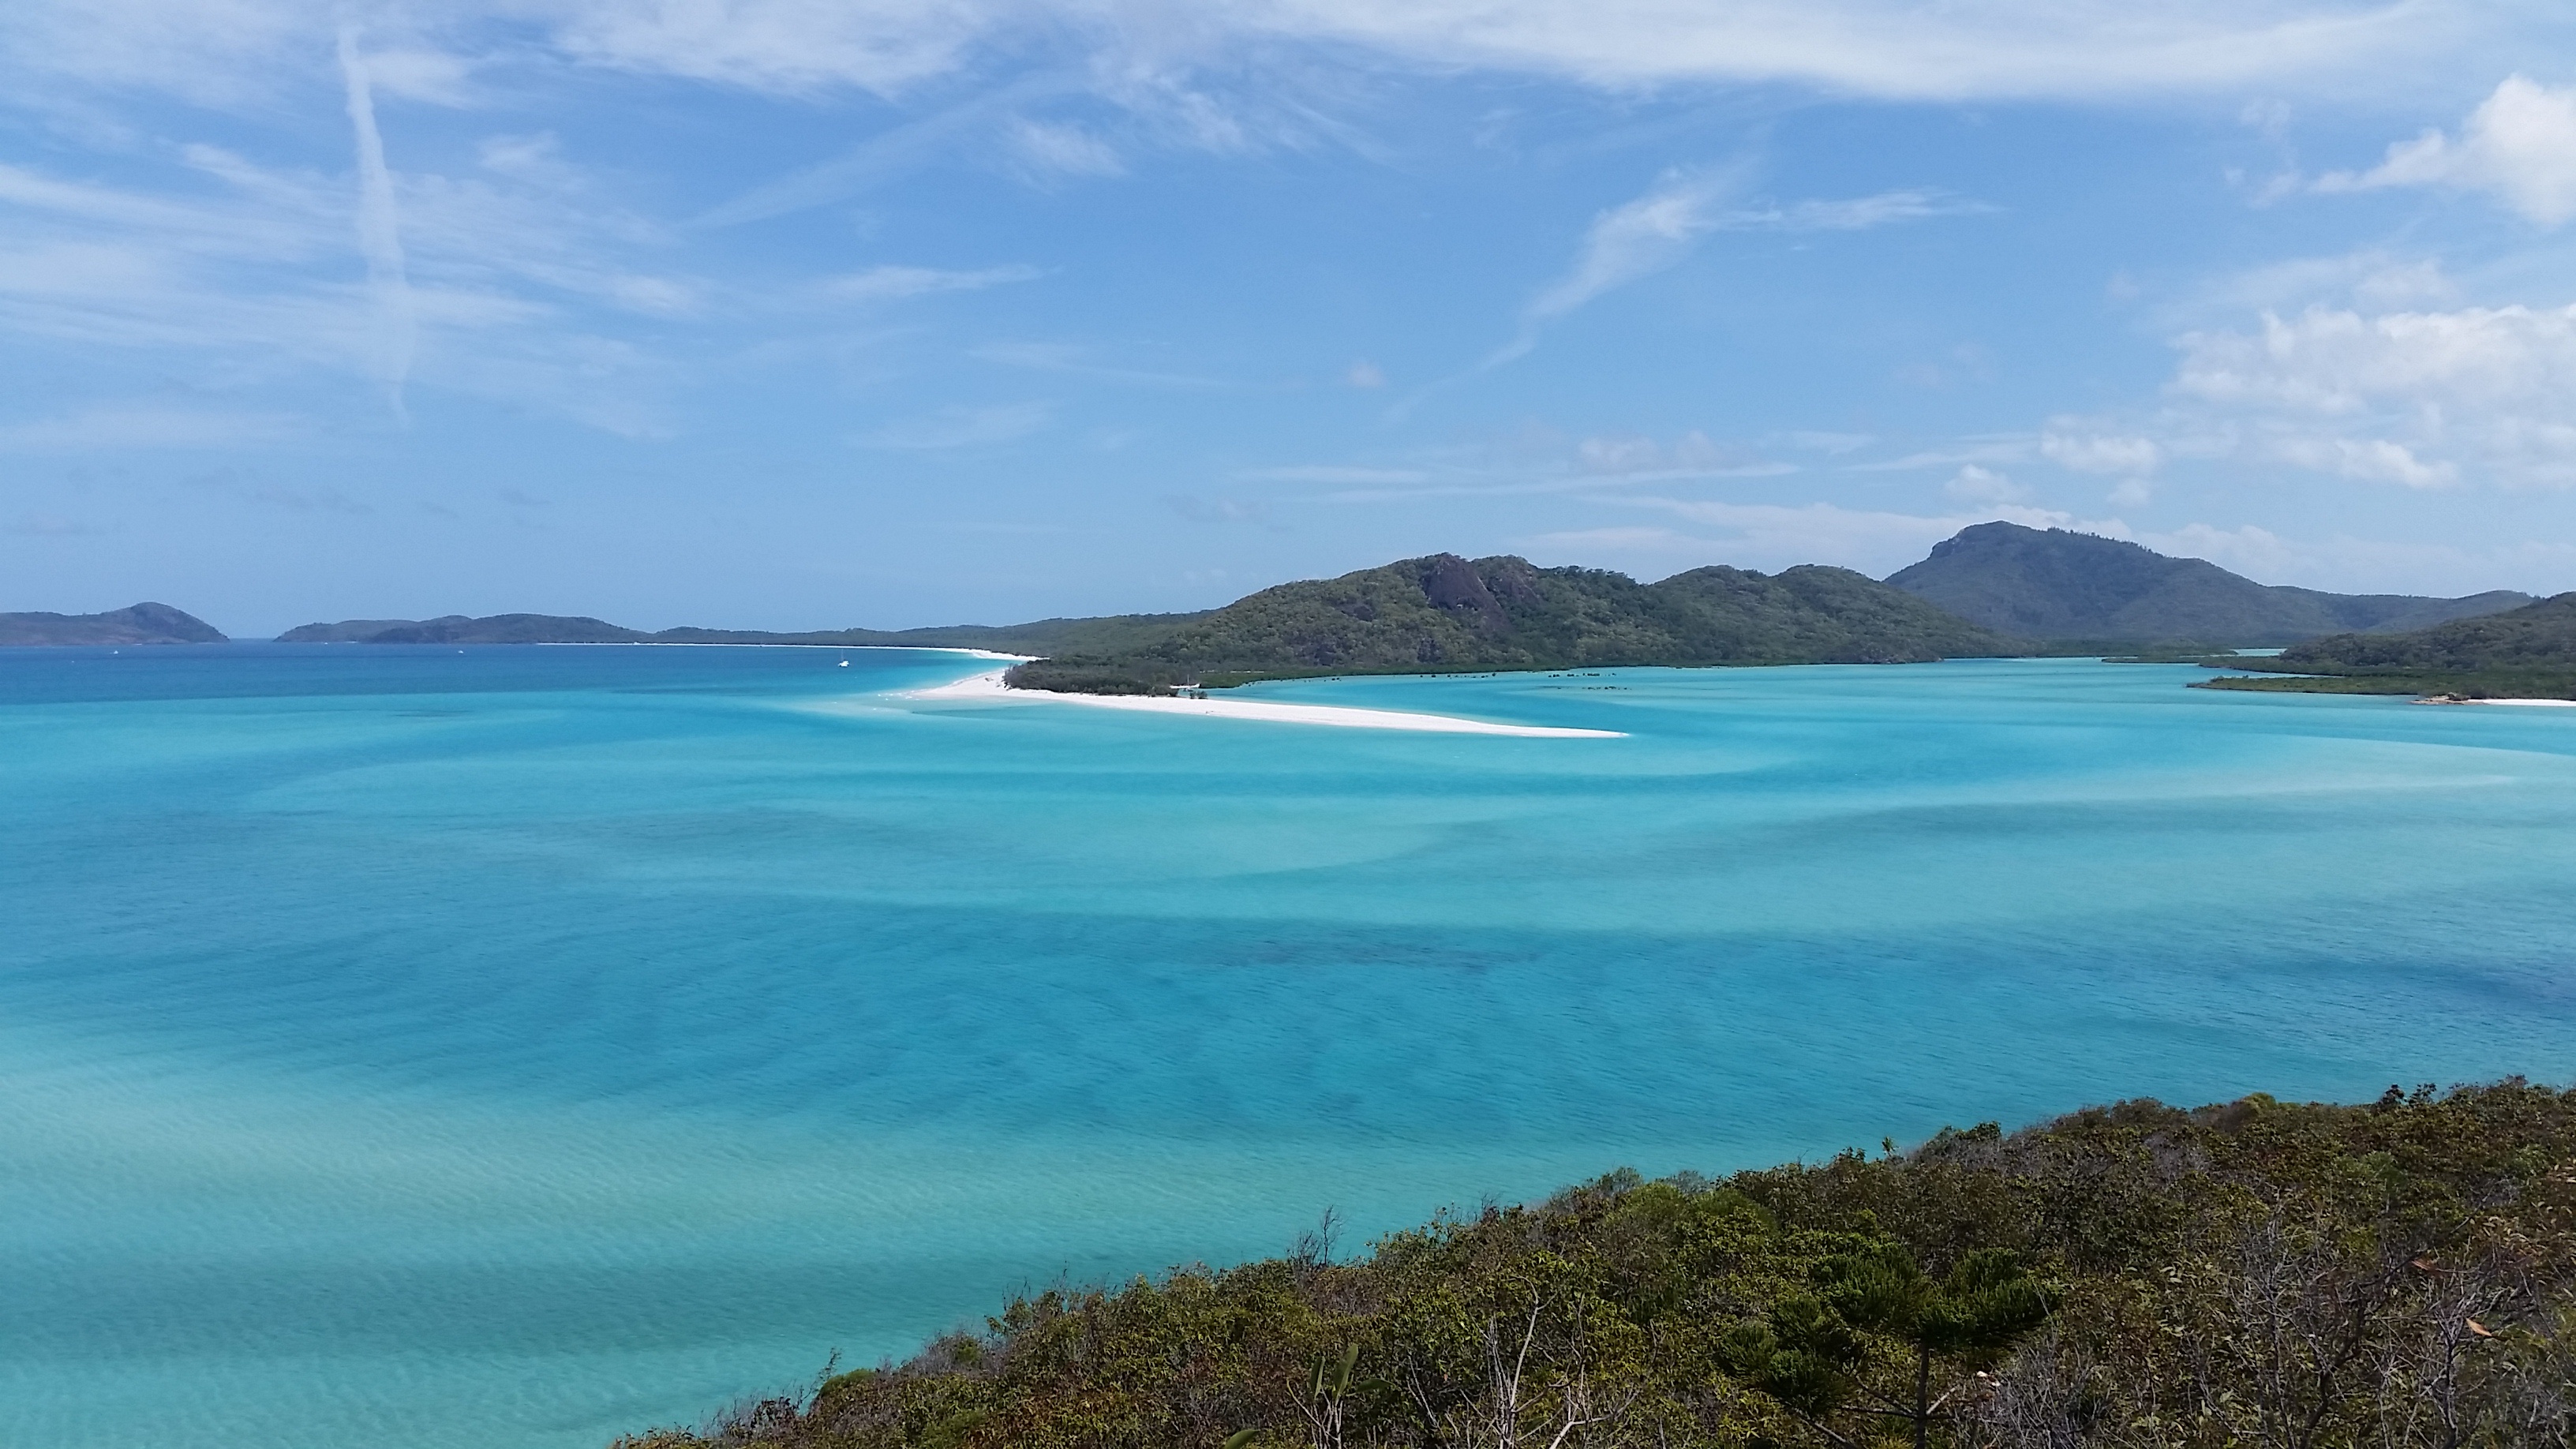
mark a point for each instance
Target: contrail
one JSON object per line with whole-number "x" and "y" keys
{"x": 379, "y": 238}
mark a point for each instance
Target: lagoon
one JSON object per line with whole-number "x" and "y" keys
{"x": 517, "y": 1046}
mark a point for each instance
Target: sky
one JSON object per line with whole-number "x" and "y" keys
{"x": 811, "y": 313}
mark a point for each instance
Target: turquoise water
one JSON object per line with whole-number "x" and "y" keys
{"x": 517, "y": 1046}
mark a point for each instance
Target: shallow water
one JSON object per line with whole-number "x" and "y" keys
{"x": 517, "y": 1046}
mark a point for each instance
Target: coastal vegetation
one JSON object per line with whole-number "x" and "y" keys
{"x": 1445, "y": 614}
{"x": 2082, "y": 594}
{"x": 2525, "y": 653}
{"x": 2400, "y": 1275}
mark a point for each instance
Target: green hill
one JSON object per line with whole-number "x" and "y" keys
{"x": 2254, "y": 1273}
{"x": 2525, "y": 653}
{"x": 2075, "y": 589}
{"x": 134, "y": 624}
{"x": 1448, "y": 614}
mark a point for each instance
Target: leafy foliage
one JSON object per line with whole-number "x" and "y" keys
{"x": 2400, "y": 1275}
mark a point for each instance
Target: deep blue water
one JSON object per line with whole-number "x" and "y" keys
{"x": 517, "y": 1046}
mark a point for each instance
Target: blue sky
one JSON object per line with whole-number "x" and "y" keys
{"x": 795, "y": 313}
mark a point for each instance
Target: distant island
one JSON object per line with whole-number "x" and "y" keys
{"x": 1040, "y": 637}
{"x": 134, "y": 624}
{"x": 2254, "y": 1272}
{"x": 2525, "y": 653}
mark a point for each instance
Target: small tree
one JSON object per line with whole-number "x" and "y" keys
{"x": 1826, "y": 1354}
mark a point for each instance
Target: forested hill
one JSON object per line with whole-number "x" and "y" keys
{"x": 2526, "y": 653}
{"x": 1040, "y": 637}
{"x": 2075, "y": 587}
{"x": 2535, "y": 636}
{"x": 1446, "y": 613}
{"x": 2399, "y": 1274}
{"x": 134, "y": 624}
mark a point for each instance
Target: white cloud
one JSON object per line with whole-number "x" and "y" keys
{"x": 2100, "y": 452}
{"x": 2070, "y": 48}
{"x": 963, "y": 427}
{"x": 2387, "y": 397}
{"x": 1658, "y": 230}
{"x": 2519, "y": 144}
{"x": 892, "y": 283}
{"x": 1972, "y": 484}
{"x": 1639, "y": 238}
{"x": 1693, "y": 455}
{"x": 2372, "y": 460}
{"x": 1142, "y": 54}
{"x": 1364, "y": 373}
{"x": 1044, "y": 151}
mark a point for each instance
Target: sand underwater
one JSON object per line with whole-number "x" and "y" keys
{"x": 512, "y": 1047}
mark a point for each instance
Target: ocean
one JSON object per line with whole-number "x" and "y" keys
{"x": 513, "y": 1047}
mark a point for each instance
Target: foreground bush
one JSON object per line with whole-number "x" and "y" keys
{"x": 2258, "y": 1273}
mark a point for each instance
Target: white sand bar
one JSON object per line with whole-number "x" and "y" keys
{"x": 987, "y": 688}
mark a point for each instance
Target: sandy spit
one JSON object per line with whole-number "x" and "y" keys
{"x": 987, "y": 689}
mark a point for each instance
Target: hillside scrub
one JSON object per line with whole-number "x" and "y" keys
{"x": 2138, "y": 1276}
{"x": 1446, "y": 614}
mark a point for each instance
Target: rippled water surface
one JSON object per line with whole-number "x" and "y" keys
{"x": 516, "y": 1046}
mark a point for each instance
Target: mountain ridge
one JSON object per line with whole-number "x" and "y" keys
{"x": 2061, "y": 586}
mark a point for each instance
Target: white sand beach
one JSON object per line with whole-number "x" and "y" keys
{"x": 987, "y": 688}
{"x": 2541, "y": 703}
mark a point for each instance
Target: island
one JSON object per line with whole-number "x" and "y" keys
{"x": 1446, "y": 614}
{"x": 2525, "y": 653}
{"x": 134, "y": 624}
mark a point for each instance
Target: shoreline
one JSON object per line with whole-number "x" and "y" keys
{"x": 987, "y": 688}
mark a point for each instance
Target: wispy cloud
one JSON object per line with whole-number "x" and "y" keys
{"x": 891, "y": 283}
{"x": 959, "y": 426}
{"x": 1080, "y": 362}
{"x": 379, "y": 232}
{"x": 1335, "y": 473}
{"x": 1639, "y": 239}
{"x": 1859, "y": 213}
{"x": 111, "y": 428}
{"x": 2071, "y": 49}
{"x": 1660, "y": 229}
